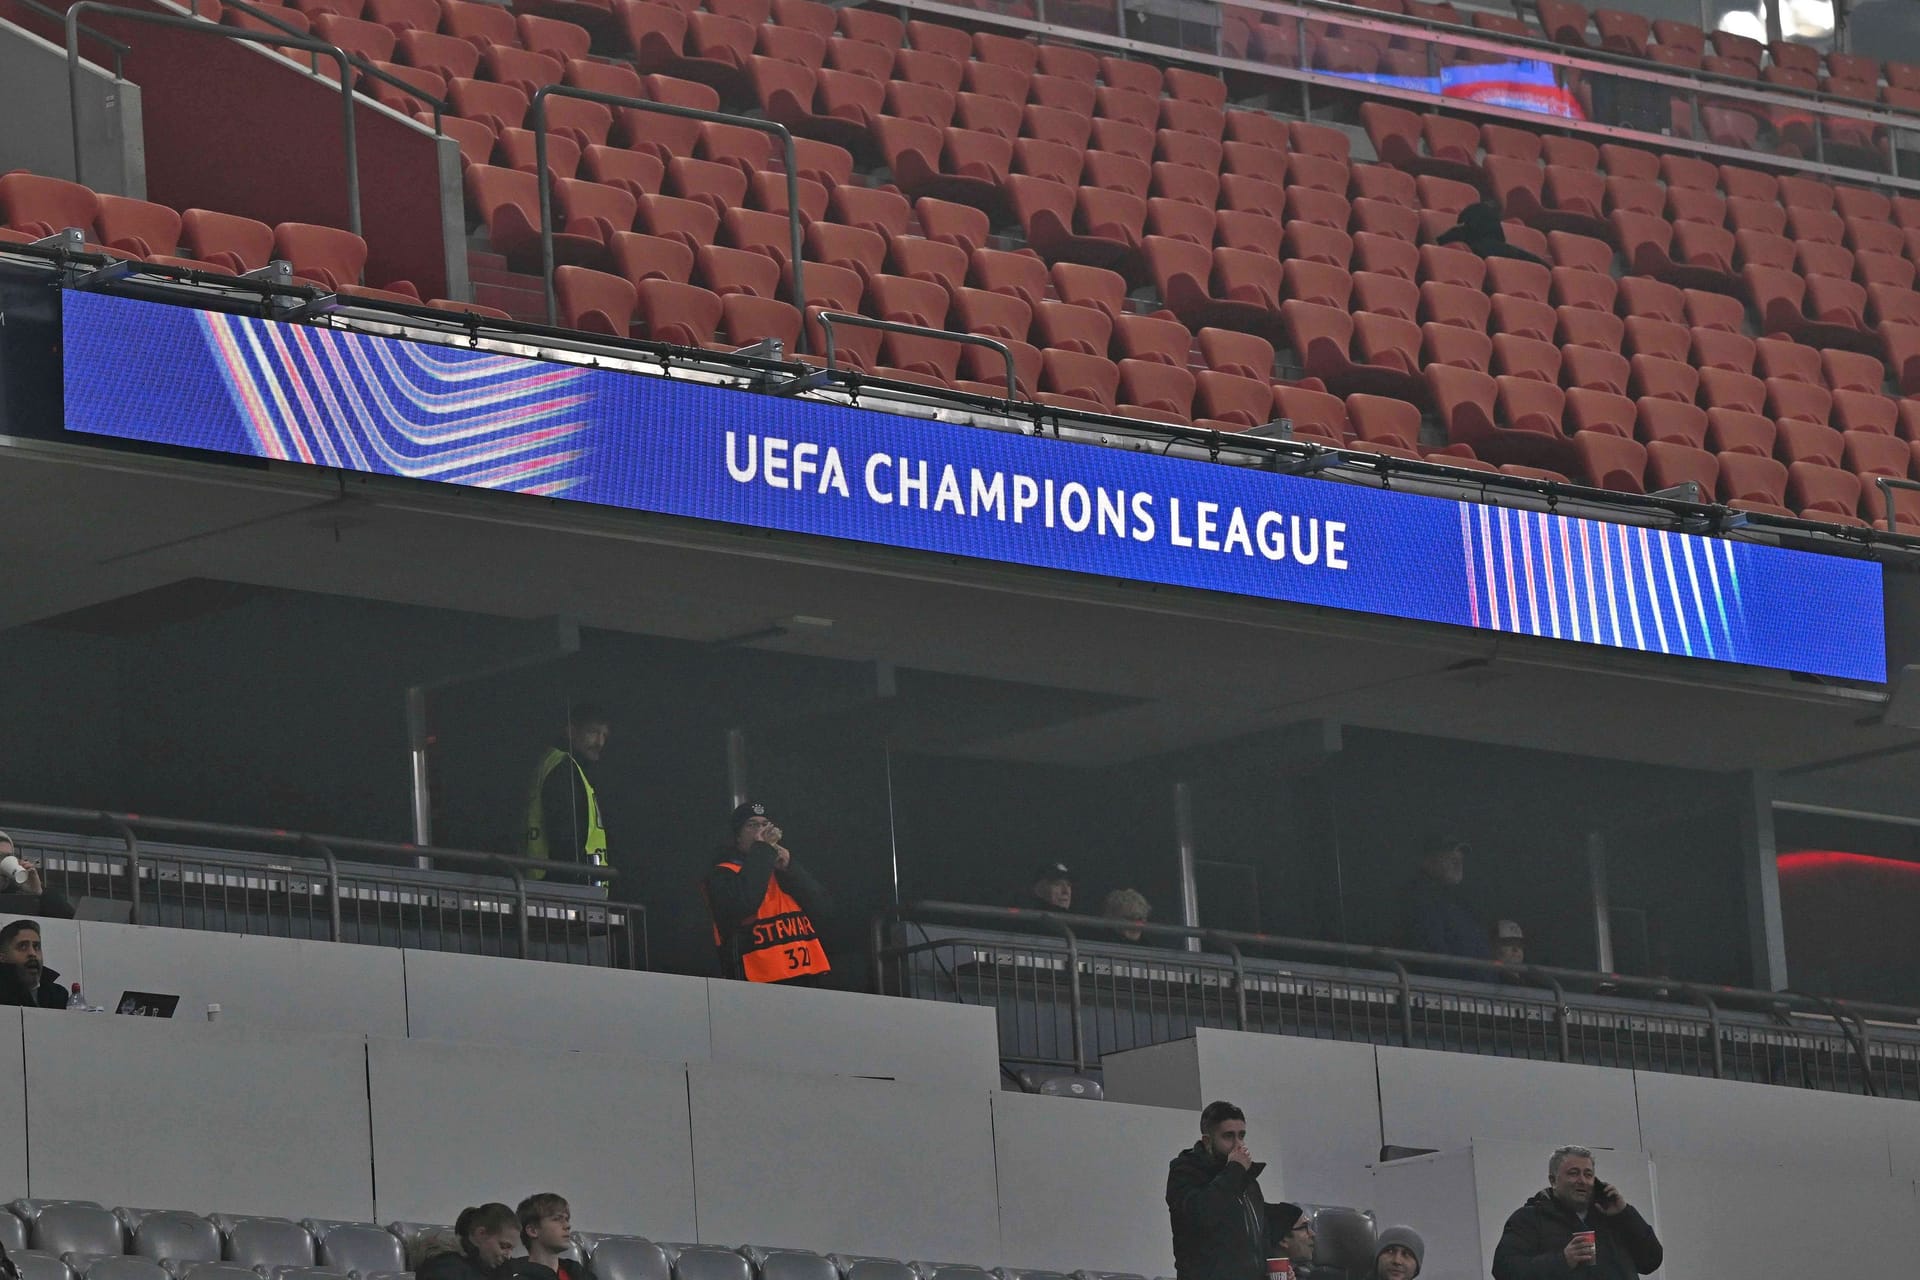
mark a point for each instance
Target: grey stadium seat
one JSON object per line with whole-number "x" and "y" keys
{"x": 29, "y": 1209}
{"x": 1107, "y": 1275}
{"x": 629, "y": 1258}
{"x": 1343, "y": 1238}
{"x": 386, "y": 1275}
{"x": 416, "y": 1237}
{"x": 856, "y": 1267}
{"x": 211, "y": 1271}
{"x": 13, "y": 1231}
{"x": 304, "y": 1273}
{"x": 264, "y": 1242}
{"x": 950, "y": 1271}
{"x": 40, "y": 1266}
{"x": 172, "y": 1234}
{"x": 789, "y": 1264}
{"x": 357, "y": 1246}
{"x": 89, "y": 1230}
{"x": 124, "y": 1268}
{"x": 709, "y": 1262}
{"x": 1013, "y": 1273}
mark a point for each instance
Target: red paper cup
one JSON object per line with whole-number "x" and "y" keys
{"x": 1586, "y": 1237}
{"x": 1280, "y": 1266}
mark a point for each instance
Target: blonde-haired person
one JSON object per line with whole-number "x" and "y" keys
{"x": 1129, "y": 905}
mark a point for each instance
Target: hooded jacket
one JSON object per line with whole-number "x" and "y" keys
{"x": 1531, "y": 1247}
{"x": 1220, "y": 1227}
{"x": 14, "y": 990}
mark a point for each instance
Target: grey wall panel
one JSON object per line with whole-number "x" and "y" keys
{"x": 489, "y": 1000}
{"x": 841, "y": 1163}
{"x": 1159, "y": 1075}
{"x": 924, "y": 1042}
{"x": 1434, "y": 1194}
{"x": 1757, "y": 1124}
{"x": 35, "y": 102}
{"x": 1722, "y": 1218}
{"x": 1313, "y": 1112}
{"x": 454, "y": 1126}
{"x": 1447, "y": 1100}
{"x": 257, "y": 981}
{"x": 181, "y": 1114}
{"x": 1083, "y": 1184}
{"x": 13, "y": 1104}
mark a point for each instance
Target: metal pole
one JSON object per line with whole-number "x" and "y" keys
{"x": 893, "y": 831}
{"x": 1183, "y": 844}
{"x": 1758, "y": 854}
{"x": 1602, "y": 918}
{"x": 417, "y": 756}
{"x": 737, "y": 769}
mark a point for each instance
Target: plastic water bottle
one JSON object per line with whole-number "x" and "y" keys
{"x": 78, "y": 1003}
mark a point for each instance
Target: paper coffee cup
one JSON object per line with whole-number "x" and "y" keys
{"x": 1280, "y": 1266}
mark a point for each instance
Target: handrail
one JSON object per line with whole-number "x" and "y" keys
{"x": 1887, "y": 485}
{"x": 364, "y": 64}
{"x": 119, "y": 48}
{"x": 780, "y": 131}
{"x": 1550, "y": 978}
{"x": 830, "y": 318}
{"x": 474, "y": 858}
{"x": 203, "y": 27}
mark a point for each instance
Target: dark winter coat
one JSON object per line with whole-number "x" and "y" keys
{"x": 1532, "y": 1247}
{"x": 1220, "y": 1226}
{"x": 14, "y": 990}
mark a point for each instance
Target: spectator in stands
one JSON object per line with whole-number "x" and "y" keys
{"x": 1051, "y": 889}
{"x": 22, "y": 891}
{"x": 1480, "y": 231}
{"x": 1509, "y": 943}
{"x": 1221, "y": 1227}
{"x": 1435, "y": 918}
{"x": 24, "y": 977}
{"x": 484, "y": 1239}
{"x": 764, "y": 905}
{"x": 1130, "y": 905}
{"x": 1578, "y": 1223}
{"x": 546, "y": 1229}
{"x": 1293, "y": 1240}
{"x": 1399, "y": 1253}
{"x": 564, "y": 819}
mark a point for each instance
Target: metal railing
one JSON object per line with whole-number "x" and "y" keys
{"x": 1808, "y": 109}
{"x": 118, "y": 48}
{"x": 1069, "y": 989}
{"x": 538, "y": 116}
{"x": 828, "y": 319}
{"x": 203, "y": 27}
{"x": 1887, "y": 484}
{"x": 361, "y": 62}
{"x": 296, "y": 885}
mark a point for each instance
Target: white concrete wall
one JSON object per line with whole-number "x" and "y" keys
{"x": 922, "y": 1042}
{"x": 13, "y": 1105}
{"x": 1757, "y": 1124}
{"x": 1447, "y": 1100}
{"x": 1721, "y": 1218}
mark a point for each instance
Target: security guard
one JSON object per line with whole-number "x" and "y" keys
{"x": 764, "y": 907}
{"x": 563, "y": 809}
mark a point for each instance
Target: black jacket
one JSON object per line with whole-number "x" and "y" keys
{"x": 1220, "y": 1227}
{"x": 734, "y": 896}
{"x": 1531, "y": 1248}
{"x": 452, "y": 1265}
{"x": 14, "y": 990}
{"x": 528, "y": 1269}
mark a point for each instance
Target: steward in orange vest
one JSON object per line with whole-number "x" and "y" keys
{"x": 764, "y": 907}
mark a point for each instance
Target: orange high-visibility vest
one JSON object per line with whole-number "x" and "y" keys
{"x": 779, "y": 942}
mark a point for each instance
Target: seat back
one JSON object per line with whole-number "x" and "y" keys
{"x": 34, "y": 1265}
{"x": 791, "y": 1264}
{"x": 60, "y": 1229}
{"x": 358, "y": 1246}
{"x": 710, "y": 1262}
{"x": 1343, "y": 1238}
{"x": 265, "y": 1242}
{"x": 175, "y": 1236}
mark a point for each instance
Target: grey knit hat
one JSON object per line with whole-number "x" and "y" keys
{"x": 1408, "y": 1239}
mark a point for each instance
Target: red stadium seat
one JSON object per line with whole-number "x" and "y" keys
{"x": 1671, "y": 422}
{"x": 1607, "y": 461}
{"x": 1315, "y": 416}
{"x": 1523, "y": 317}
{"x": 1799, "y": 402}
{"x": 1595, "y": 370}
{"x": 1753, "y": 483}
{"x": 1383, "y": 254}
{"x": 1579, "y": 327}
{"x": 638, "y": 257}
{"x": 133, "y": 226}
{"x": 1242, "y": 354}
{"x": 1520, "y": 357}
{"x": 1789, "y": 361}
{"x": 1379, "y": 419}
{"x": 1019, "y": 275}
{"x": 1182, "y": 221}
{"x": 687, "y": 222}
{"x": 1715, "y": 349}
{"x": 594, "y": 301}
{"x": 1151, "y": 338}
{"x": 1732, "y": 390}
{"x": 1076, "y": 381}
{"x": 1865, "y": 411}
{"x": 1382, "y": 294}
{"x": 234, "y": 243}
{"x": 1824, "y": 493}
{"x": 1730, "y": 431}
{"x": 1453, "y": 345}
{"x": 1067, "y": 327}
{"x": 854, "y": 248}
{"x": 1599, "y": 413}
{"x": 1229, "y": 402}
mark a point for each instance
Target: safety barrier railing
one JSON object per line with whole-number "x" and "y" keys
{"x": 118, "y": 48}
{"x": 1886, "y": 485}
{"x": 1840, "y": 135}
{"x": 364, "y": 65}
{"x": 1068, "y": 989}
{"x": 539, "y": 118}
{"x": 468, "y": 901}
{"x": 828, "y": 319}
{"x": 202, "y": 27}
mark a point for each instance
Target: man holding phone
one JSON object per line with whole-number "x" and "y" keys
{"x": 1579, "y": 1226}
{"x": 1221, "y": 1227}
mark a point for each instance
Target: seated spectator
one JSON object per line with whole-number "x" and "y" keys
{"x": 485, "y": 1238}
{"x": 1509, "y": 943}
{"x": 1480, "y": 231}
{"x": 1293, "y": 1240}
{"x": 1051, "y": 889}
{"x": 1399, "y": 1253}
{"x": 22, "y": 891}
{"x": 25, "y": 979}
{"x": 1126, "y": 904}
{"x": 546, "y": 1228}
{"x": 1435, "y": 918}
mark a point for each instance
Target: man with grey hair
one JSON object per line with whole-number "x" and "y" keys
{"x": 1578, "y": 1223}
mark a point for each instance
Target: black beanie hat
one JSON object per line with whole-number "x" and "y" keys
{"x": 746, "y": 813}
{"x": 1285, "y": 1217}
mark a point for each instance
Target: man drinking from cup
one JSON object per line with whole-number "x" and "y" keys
{"x": 1221, "y": 1227}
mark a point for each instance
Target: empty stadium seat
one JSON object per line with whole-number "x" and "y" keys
{"x": 265, "y": 1242}
{"x": 176, "y": 1237}
{"x": 120, "y": 1268}
{"x": 358, "y": 1246}
{"x": 629, "y": 1258}
{"x": 61, "y": 1228}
